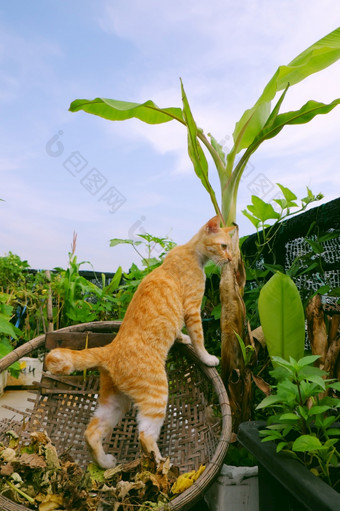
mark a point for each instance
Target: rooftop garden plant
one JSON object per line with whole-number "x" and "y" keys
{"x": 304, "y": 409}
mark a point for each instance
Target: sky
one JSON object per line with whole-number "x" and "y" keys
{"x": 63, "y": 172}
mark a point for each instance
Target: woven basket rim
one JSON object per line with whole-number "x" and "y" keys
{"x": 186, "y": 499}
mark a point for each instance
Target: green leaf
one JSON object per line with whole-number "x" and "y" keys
{"x": 115, "y": 280}
{"x": 282, "y": 317}
{"x": 316, "y": 410}
{"x": 329, "y": 236}
{"x": 269, "y": 438}
{"x": 288, "y": 194}
{"x": 262, "y": 210}
{"x": 6, "y": 327}
{"x": 270, "y": 435}
{"x": 278, "y": 427}
{"x": 118, "y": 241}
{"x": 302, "y": 116}
{"x": 316, "y": 246}
{"x": 289, "y": 416}
{"x": 148, "y": 262}
{"x": 195, "y": 150}
{"x": 115, "y": 110}
{"x": 281, "y": 372}
{"x": 5, "y": 347}
{"x": 96, "y": 473}
{"x": 15, "y": 369}
{"x": 306, "y": 443}
{"x": 216, "y": 312}
{"x": 274, "y": 267}
{"x": 335, "y": 385}
{"x": 289, "y": 198}
{"x": 333, "y": 431}
{"x": 315, "y": 58}
{"x": 242, "y": 346}
{"x": 303, "y": 411}
{"x": 307, "y": 371}
{"x": 328, "y": 421}
{"x": 287, "y": 364}
{"x": 269, "y": 401}
{"x": 280, "y": 446}
{"x": 308, "y": 360}
{"x": 318, "y": 380}
{"x": 218, "y": 148}
{"x": 254, "y": 221}
{"x": 311, "y": 197}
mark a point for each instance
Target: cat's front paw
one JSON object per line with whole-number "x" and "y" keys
{"x": 183, "y": 339}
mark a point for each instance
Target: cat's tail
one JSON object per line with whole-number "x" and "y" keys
{"x": 65, "y": 361}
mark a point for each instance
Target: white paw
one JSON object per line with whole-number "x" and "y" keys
{"x": 183, "y": 339}
{"x": 159, "y": 459}
{"x": 209, "y": 360}
{"x": 107, "y": 461}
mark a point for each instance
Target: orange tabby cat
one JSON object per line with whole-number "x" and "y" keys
{"x": 133, "y": 365}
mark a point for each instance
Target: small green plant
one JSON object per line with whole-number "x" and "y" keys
{"x": 8, "y": 332}
{"x": 150, "y": 243}
{"x": 12, "y": 272}
{"x": 303, "y": 415}
{"x": 72, "y": 292}
{"x": 27, "y": 293}
{"x": 247, "y": 350}
{"x": 130, "y": 280}
{"x": 260, "y": 213}
{"x": 310, "y": 263}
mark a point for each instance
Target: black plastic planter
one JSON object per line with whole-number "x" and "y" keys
{"x": 284, "y": 483}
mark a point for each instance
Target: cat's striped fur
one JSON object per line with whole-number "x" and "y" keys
{"x": 133, "y": 366}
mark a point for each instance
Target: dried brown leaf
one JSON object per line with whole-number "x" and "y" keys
{"x": 51, "y": 457}
{"x": 40, "y": 438}
{"x": 51, "y": 502}
{"x": 6, "y": 470}
{"x": 261, "y": 384}
{"x": 124, "y": 487}
{"x": 31, "y": 460}
{"x": 259, "y": 336}
{"x": 8, "y": 454}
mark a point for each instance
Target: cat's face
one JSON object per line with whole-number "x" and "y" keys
{"x": 216, "y": 242}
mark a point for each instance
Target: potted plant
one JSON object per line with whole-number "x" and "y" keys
{"x": 299, "y": 465}
{"x": 304, "y": 413}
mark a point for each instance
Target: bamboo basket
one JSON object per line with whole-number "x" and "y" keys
{"x": 63, "y": 406}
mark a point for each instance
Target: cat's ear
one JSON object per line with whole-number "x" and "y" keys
{"x": 231, "y": 229}
{"x": 213, "y": 225}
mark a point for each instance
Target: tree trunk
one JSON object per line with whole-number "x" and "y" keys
{"x": 49, "y": 304}
{"x": 324, "y": 341}
{"x": 236, "y": 377}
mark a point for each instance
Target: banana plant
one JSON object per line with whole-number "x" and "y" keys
{"x": 259, "y": 123}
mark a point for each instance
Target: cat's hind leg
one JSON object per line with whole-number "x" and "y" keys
{"x": 151, "y": 406}
{"x": 112, "y": 406}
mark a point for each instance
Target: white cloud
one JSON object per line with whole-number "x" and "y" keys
{"x": 218, "y": 96}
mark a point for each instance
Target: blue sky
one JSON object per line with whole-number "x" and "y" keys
{"x": 63, "y": 172}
